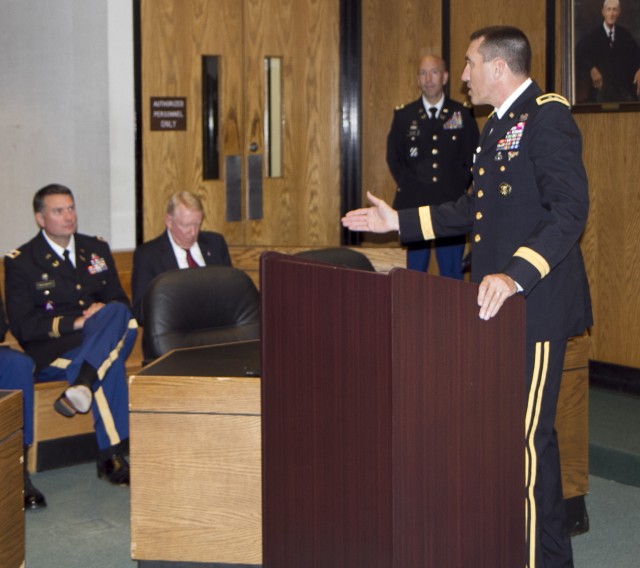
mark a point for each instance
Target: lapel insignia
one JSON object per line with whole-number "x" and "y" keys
{"x": 524, "y": 116}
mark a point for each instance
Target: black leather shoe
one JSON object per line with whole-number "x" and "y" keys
{"x": 115, "y": 470}
{"x": 33, "y": 499}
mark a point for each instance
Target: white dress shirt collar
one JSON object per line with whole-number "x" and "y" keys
{"x": 181, "y": 255}
{"x": 71, "y": 247}
{"x": 504, "y": 107}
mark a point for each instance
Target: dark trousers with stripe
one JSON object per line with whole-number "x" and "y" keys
{"x": 16, "y": 373}
{"x": 547, "y": 544}
{"x": 107, "y": 339}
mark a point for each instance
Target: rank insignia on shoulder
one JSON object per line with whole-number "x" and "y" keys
{"x": 13, "y": 254}
{"x": 100, "y": 238}
{"x": 552, "y": 98}
{"x": 399, "y": 107}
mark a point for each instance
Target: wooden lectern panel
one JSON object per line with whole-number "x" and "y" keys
{"x": 458, "y": 427}
{"x": 326, "y": 467}
{"x": 393, "y": 421}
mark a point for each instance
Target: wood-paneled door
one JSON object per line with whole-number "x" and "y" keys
{"x": 298, "y": 205}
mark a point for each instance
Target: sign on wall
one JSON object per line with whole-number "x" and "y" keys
{"x": 168, "y": 113}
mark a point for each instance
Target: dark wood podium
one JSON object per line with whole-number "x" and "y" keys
{"x": 393, "y": 421}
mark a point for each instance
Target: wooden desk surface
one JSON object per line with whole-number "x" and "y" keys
{"x": 239, "y": 359}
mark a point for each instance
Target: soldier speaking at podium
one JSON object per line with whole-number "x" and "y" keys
{"x": 69, "y": 313}
{"x": 526, "y": 211}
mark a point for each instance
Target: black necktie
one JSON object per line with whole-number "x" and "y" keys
{"x": 432, "y": 112}
{"x": 67, "y": 258}
{"x": 611, "y": 37}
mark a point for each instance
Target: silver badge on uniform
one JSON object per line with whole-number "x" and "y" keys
{"x": 413, "y": 152}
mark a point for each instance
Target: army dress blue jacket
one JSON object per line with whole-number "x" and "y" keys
{"x": 431, "y": 159}
{"x": 45, "y": 294}
{"x": 526, "y": 212}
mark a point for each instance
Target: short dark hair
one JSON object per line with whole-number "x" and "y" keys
{"x": 51, "y": 189}
{"x": 508, "y": 43}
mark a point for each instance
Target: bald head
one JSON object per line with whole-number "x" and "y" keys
{"x": 432, "y": 77}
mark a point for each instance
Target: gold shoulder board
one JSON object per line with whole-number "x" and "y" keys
{"x": 15, "y": 253}
{"x": 399, "y": 107}
{"x": 552, "y": 97}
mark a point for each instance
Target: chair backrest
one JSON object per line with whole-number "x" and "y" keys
{"x": 340, "y": 256}
{"x": 197, "y": 307}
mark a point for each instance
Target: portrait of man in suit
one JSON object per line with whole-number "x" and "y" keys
{"x": 607, "y": 51}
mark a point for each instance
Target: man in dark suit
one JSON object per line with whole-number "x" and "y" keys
{"x": 69, "y": 313}
{"x": 608, "y": 61}
{"x": 16, "y": 373}
{"x": 526, "y": 211}
{"x": 182, "y": 245}
{"x": 429, "y": 150}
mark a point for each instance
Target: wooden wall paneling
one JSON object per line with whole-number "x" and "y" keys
{"x": 610, "y": 242}
{"x": 394, "y": 36}
{"x": 303, "y": 206}
{"x": 175, "y": 35}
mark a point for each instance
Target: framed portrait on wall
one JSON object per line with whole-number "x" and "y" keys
{"x": 601, "y": 54}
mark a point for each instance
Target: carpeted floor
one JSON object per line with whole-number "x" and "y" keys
{"x": 87, "y": 522}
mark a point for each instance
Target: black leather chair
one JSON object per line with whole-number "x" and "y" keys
{"x": 340, "y": 256}
{"x": 197, "y": 307}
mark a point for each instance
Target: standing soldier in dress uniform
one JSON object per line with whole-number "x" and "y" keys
{"x": 526, "y": 211}
{"x": 69, "y": 313}
{"x": 429, "y": 152}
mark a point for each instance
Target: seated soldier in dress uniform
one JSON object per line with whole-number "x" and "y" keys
{"x": 68, "y": 311}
